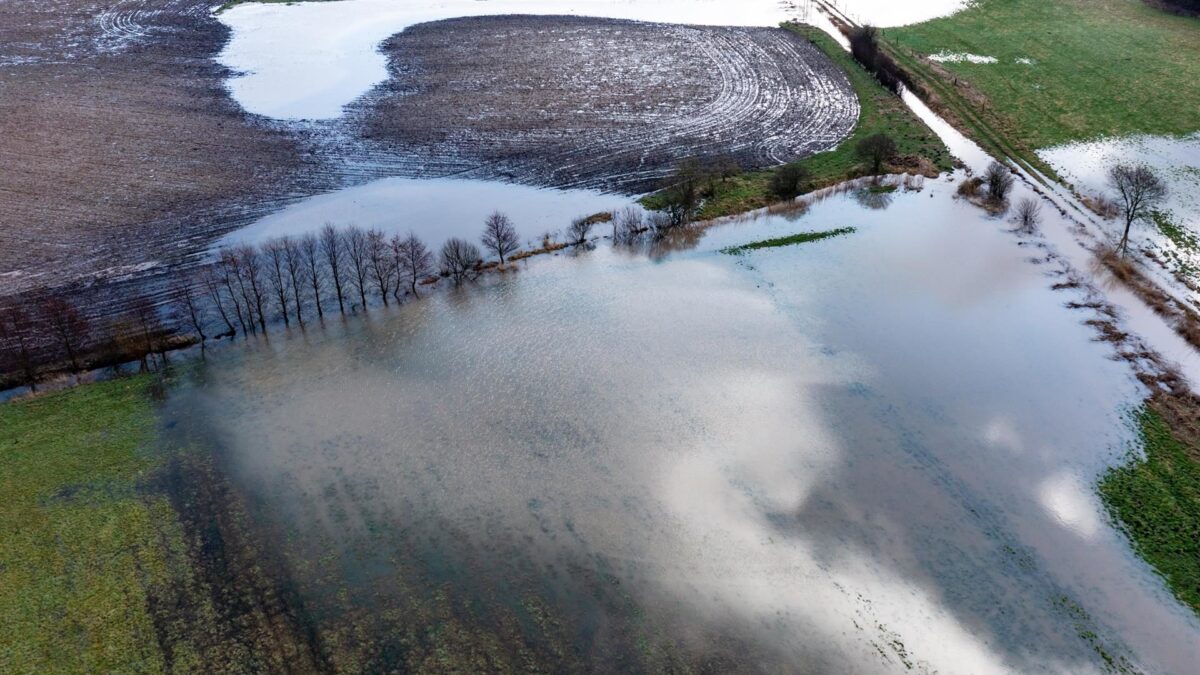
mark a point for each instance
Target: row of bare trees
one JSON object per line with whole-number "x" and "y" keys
{"x": 292, "y": 279}
{"x": 52, "y": 329}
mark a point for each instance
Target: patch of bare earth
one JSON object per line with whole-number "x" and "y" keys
{"x": 580, "y": 102}
{"x": 121, "y": 149}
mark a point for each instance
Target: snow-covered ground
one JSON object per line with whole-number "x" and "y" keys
{"x": 1175, "y": 240}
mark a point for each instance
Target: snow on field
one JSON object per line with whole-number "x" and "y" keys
{"x": 1177, "y": 160}
{"x": 961, "y": 57}
{"x": 308, "y": 60}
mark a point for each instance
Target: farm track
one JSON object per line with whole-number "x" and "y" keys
{"x": 126, "y": 159}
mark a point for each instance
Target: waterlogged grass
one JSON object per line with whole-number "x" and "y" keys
{"x": 1071, "y": 70}
{"x": 881, "y": 112}
{"x": 79, "y": 546}
{"x": 792, "y": 240}
{"x": 1156, "y": 499}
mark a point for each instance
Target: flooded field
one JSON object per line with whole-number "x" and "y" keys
{"x": 865, "y": 454}
{"x": 434, "y": 210}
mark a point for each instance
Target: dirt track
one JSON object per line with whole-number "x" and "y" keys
{"x": 579, "y": 102}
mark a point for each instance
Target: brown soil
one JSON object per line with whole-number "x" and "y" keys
{"x": 119, "y": 143}
{"x": 564, "y": 101}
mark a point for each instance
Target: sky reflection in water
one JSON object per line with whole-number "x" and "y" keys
{"x": 850, "y": 454}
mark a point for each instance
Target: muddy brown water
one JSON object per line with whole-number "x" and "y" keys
{"x": 857, "y": 455}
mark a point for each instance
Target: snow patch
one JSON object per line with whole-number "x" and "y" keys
{"x": 961, "y": 57}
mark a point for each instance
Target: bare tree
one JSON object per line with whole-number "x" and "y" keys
{"x": 579, "y": 230}
{"x": 628, "y": 223}
{"x": 67, "y": 326}
{"x": 460, "y": 259}
{"x": 146, "y": 327}
{"x": 251, "y": 266}
{"x": 276, "y": 254}
{"x": 382, "y": 264}
{"x": 355, "y": 243}
{"x": 294, "y": 262}
{"x": 16, "y": 337}
{"x": 499, "y": 235}
{"x": 1029, "y": 213}
{"x": 310, "y": 254}
{"x": 210, "y": 280}
{"x": 231, "y": 279}
{"x": 413, "y": 261}
{"x": 999, "y": 180}
{"x": 681, "y": 197}
{"x": 1139, "y": 190}
{"x": 189, "y": 308}
{"x": 331, "y": 248}
{"x": 876, "y": 150}
{"x": 788, "y": 180}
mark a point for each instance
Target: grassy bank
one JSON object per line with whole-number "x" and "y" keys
{"x": 79, "y": 545}
{"x": 881, "y": 112}
{"x": 1156, "y": 498}
{"x": 1092, "y": 66}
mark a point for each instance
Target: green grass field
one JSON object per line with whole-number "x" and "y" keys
{"x": 881, "y": 112}
{"x": 1099, "y": 67}
{"x": 79, "y": 544}
{"x": 1157, "y": 501}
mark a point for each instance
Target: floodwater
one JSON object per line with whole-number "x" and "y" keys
{"x": 857, "y": 455}
{"x": 434, "y": 209}
{"x": 332, "y": 52}
{"x": 1177, "y": 160}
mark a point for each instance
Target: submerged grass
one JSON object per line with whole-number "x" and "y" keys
{"x": 881, "y": 112}
{"x": 79, "y": 545}
{"x": 1156, "y": 498}
{"x": 1067, "y": 70}
{"x": 801, "y": 238}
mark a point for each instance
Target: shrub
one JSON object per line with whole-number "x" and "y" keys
{"x": 788, "y": 181}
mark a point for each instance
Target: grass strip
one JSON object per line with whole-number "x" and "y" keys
{"x": 1156, "y": 499}
{"x": 791, "y": 240}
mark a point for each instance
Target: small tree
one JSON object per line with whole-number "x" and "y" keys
{"x": 67, "y": 326}
{"x": 579, "y": 230}
{"x": 681, "y": 196}
{"x": 788, "y": 180}
{"x": 627, "y": 224}
{"x": 1139, "y": 190}
{"x": 16, "y": 336}
{"x": 251, "y": 261}
{"x": 210, "y": 281}
{"x": 876, "y": 150}
{"x": 460, "y": 259}
{"x": 999, "y": 181}
{"x": 331, "y": 250}
{"x": 276, "y": 253}
{"x": 355, "y": 244}
{"x": 310, "y": 256}
{"x": 382, "y": 263}
{"x": 189, "y": 307}
{"x": 294, "y": 262}
{"x": 499, "y": 235}
{"x": 1029, "y": 213}
{"x": 413, "y": 261}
